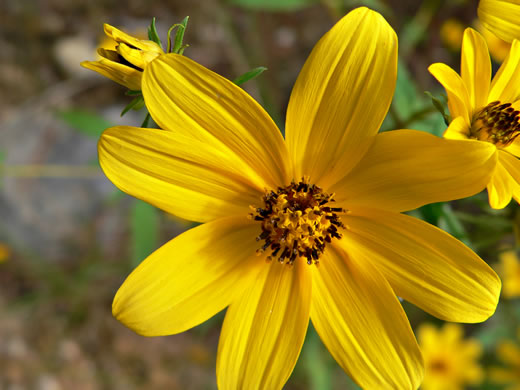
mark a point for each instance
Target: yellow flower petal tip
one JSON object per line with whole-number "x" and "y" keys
{"x": 486, "y": 110}
{"x": 307, "y": 227}
{"x": 124, "y": 64}
{"x": 451, "y": 361}
{"x": 501, "y": 18}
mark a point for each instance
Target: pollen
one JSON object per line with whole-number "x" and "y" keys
{"x": 297, "y": 221}
{"x": 496, "y": 123}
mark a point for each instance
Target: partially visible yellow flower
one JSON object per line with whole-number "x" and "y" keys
{"x": 306, "y": 227}
{"x": 498, "y": 48}
{"x": 450, "y": 361}
{"x": 486, "y": 110}
{"x": 451, "y": 33}
{"x": 5, "y": 252}
{"x": 126, "y": 63}
{"x": 509, "y": 270}
{"x": 501, "y": 17}
{"x": 509, "y": 353}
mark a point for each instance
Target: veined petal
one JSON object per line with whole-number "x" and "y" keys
{"x": 458, "y": 97}
{"x": 501, "y": 17}
{"x": 178, "y": 174}
{"x": 120, "y": 36}
{"x": 189, "y": 279}
{"x": 405, "y": 169}
{"x": 458, "y": 129}
{"x": 121, "y": 74}
{"x": 500, "y": 187}
{"x": 342, "y": 96}
{"x": 363, "y": 325}
{"x": 424, "y": 265}
{"x": 512, "y": 165}
{"x": 187, "y": 98}
{"x": 265, "y": 328}
{"x": 506, "y": 83}
{"x": 475, "y": 68}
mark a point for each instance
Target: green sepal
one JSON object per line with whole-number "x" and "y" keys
{"x": 152, "y": 33}
{"x": 253, "y": 73}
{"x": 178, "y": 47}
{"x": 146, "y": 121}
{"x": 136, "y": 104}
{"x": 439, "y": 105}
{"x": 133, "y": 93}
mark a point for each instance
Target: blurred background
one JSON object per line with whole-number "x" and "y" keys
{"x": 68, "y": 237}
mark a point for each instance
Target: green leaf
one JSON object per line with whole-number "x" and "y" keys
{"x": 144, "y": 220}
{"x": 85, "y": 122}
{"x": 253, "y": 73}
{"x": 274, "y": 5}
{"x": 152, "y": 33}
{"x": 178, "y": 47}
{"x": 133, "y": 93}
{"x": 136, "y": 104}
{"x": 146, "y": 120}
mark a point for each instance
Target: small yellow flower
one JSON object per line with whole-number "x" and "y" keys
{"x": 486, "y": 110}
{"x": 450, "y": 361}
{"x": 126, "y": 63}
{"x": 501, "y": 17}
{"x": 509, "y": 270}
{"x": 509, "y": 353}
{"x": 451, "y": 33}
{"x": 5, "y": 252}
{"x": 303, "y": 227}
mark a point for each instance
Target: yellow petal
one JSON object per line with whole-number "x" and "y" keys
{"x": 458, "y": 97}
{"x": 424, "y": 265}
{"x": 139, "y": 58}
{"x": 121, "y": 74}
{"x": 189, "y": 279}
{"x": 506, "y": 83}
{"x": 500, "y": 187}
{"x": 501, "y": 17}
{"x": 475, "y": 68}
{"x": 120, "y": 36}
{"x": 265, "y": 328}
{"x": 458, "y": 129}
{"x": 363, "y": 325}
{"x": 178, "y": 174}
{"x": 405, "y": 169}
{"x": 187, "y": 98}
{"x": 341, "y": 96}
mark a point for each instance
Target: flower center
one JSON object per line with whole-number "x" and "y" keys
{"x": 439, "y": 365}
{"x": 496, "y": 123}
{"x": 296, "y": 222}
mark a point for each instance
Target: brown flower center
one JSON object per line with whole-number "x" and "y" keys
{"x": 297, "y": 222}
{"x": 496, "y": 123}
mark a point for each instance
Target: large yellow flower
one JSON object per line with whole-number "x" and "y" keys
{"x": 486, "y": 110}
{"x": 502, "y": 17}
{"x": 326, "y": 201}
{"x": 124, "y": 65}
{"x": 451, "y": 361}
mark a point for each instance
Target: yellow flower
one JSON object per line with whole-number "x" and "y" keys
{"x": 5, "y": 252}
{"x": 509, "y": 270}
{"x": 450, "y": 361}
{"x": 501, "y": 17}
{"x": 486, "y": 110}
{"x": 498, "y": 48}
{"x": 326, "y": 201}
{"x": 509, "y": 353}
{"x": 451, "y": 33}
{"x": 124, "y": 65}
